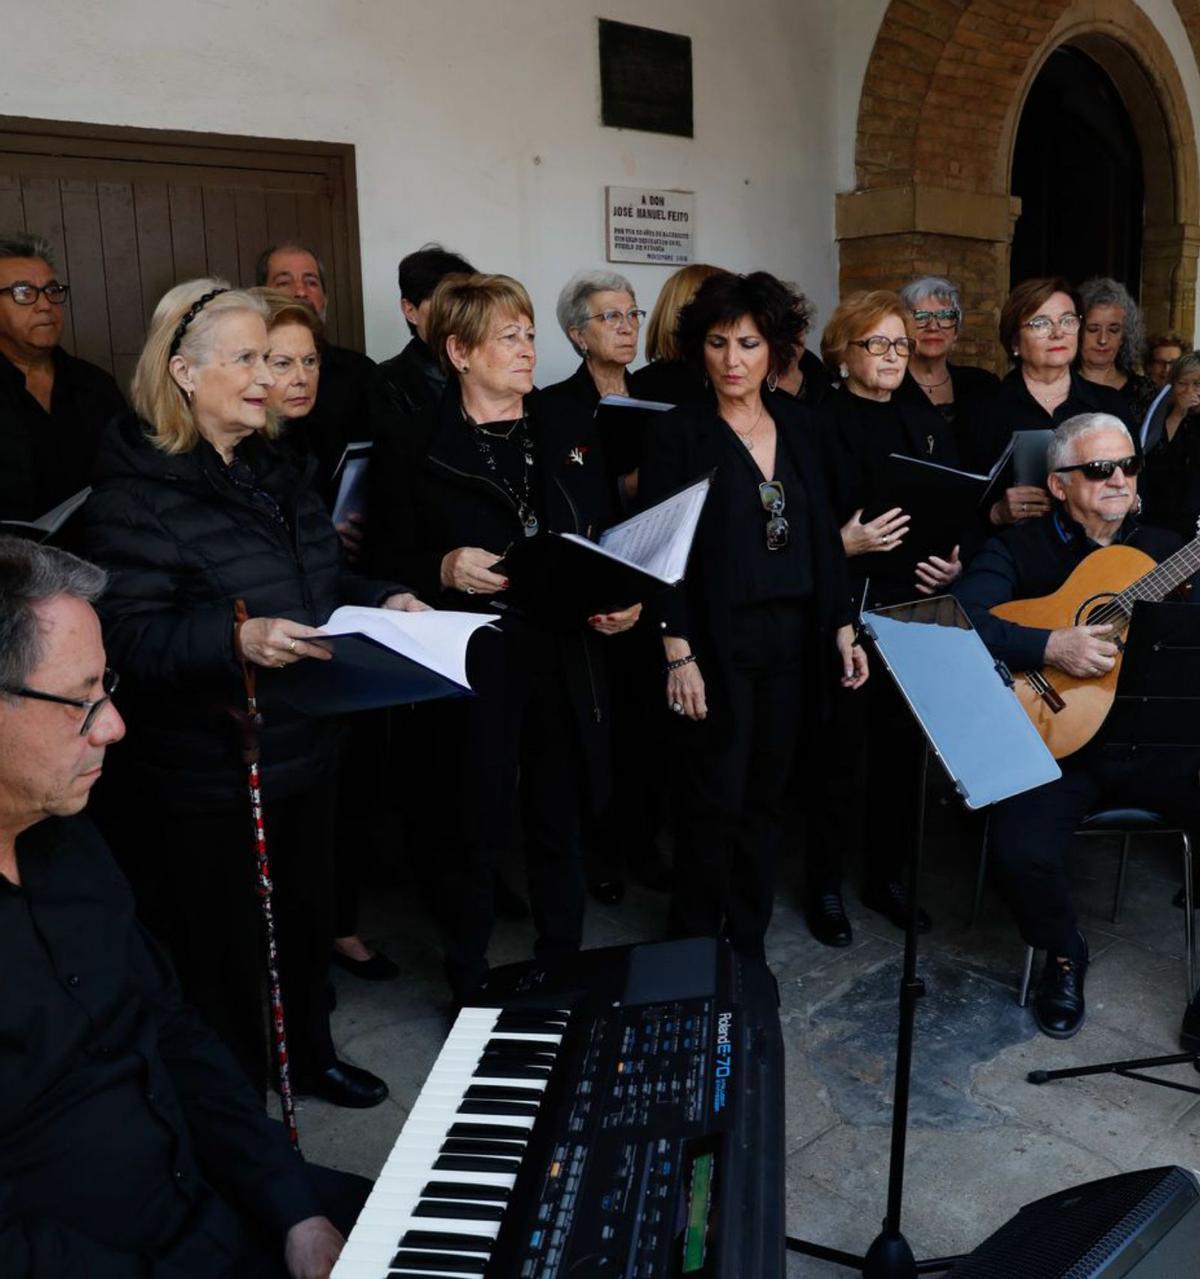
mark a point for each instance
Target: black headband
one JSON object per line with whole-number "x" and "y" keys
{"x": 194, "y": 310}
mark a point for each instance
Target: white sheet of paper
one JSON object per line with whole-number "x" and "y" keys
{"x": 435, "y": 639}
{"x": 659, "y": 539}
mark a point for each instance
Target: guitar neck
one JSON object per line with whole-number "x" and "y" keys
{"x": 1163, "y": 578}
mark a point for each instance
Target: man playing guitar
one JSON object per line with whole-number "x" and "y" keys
{"x": 1093, "y": 467}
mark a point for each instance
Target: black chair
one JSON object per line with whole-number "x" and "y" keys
{"x": 1126, "y": 822}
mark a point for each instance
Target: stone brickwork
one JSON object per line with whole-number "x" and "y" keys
{"x": 938, "y": 116}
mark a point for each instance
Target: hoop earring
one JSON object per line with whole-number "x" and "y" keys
{"x": 772, "y": 382}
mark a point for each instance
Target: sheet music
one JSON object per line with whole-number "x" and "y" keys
{"x": 657, "y": 540}
{"x": 435, "y": 639}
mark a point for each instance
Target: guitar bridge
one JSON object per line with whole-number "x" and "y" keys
{"x": 1046, "y": 691}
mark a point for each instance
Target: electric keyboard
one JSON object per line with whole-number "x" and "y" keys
{"x": 618, "y": 1112}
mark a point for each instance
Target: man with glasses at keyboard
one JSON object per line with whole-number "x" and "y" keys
{"x": 1093, "y": 471}
{"x": 53, "y": 406}
{"x": 131, "y": 1144}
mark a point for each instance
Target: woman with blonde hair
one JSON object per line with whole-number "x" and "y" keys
{"x": 667, "y": 376}
{"x": 195, "y": 509}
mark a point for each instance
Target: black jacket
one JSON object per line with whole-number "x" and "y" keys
{"x": 431, "y": 493}
{"x": 47, "y": 457}
{"x": 412, "y": 381}
{"x": 684, "y": 445}
{"x": 182, "y": 544}
{"x": 119, "y": 1109}
{"x": 973, "y": 389}
{"x": 992, "y": 422}
{"x": 668, "y": 382}
{"x": 1030, "y": 560}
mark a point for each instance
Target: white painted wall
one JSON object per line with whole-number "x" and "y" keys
{"x": 476, "y": 122}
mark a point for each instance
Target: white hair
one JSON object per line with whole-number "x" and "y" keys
{"x": 1062, "y": 443}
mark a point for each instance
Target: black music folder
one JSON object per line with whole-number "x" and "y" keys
{"x": 943, "y": 504}
{"x": 46, "y": 528}
{"x": 622, "y": 424}
{"x": 350, "y": 475}
{"x": 564, "y": 578}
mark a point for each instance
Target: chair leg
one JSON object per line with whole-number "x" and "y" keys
{"x": 1027, "y": 978}
{"x": 1189, "y": 921}
{"x": 980, "y": 874}
{"x": 1119, "y": 895}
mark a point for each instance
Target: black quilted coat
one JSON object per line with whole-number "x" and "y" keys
{"x": 181, "y": 543}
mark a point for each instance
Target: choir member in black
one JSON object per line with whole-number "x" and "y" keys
{"x": 194, "y": 508}
{"x": 805, "y": 377}
{"x": 414, "y": 380}
{"x": 1162, "y": 350}
{"x": 866, "y": 774}
{"x": 130, "y": 1142}
{"x": 763, "y": 613}
{"x": 295, "y": 333}
{"x": 53, "y": 407}
{"x": 935, "y": 321}
{"x": 1039, "y": 331}
{"x": 667, "y": 377}
{"x": 1111, "y": 342}
{"x": 452, "y": 490}
{"x": 1171, "y": 486}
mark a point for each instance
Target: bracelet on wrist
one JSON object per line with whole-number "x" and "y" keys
{"x": 679, "y": 661}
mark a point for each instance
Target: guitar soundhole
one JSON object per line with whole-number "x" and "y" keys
{"x": 1096, "y": 611}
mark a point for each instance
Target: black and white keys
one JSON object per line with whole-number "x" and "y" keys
{"x": 436, "y": 1209}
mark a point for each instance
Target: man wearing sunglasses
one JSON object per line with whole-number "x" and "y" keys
{"x": 120, "y": 1111}
{"x": 1093, "y": 471}
{"x": 53, "y": 406}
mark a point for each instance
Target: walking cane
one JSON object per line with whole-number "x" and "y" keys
{"x": 250, "y": 723}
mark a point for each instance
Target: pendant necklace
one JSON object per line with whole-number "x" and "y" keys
{"x": 521, "y": 497}
{"x": 746, "y": 436}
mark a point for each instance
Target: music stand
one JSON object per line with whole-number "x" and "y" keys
{"x": 1157, "y": 703}
{"x": 962, "y": 699}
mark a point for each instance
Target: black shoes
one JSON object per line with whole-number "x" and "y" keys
{"x": 378, "y": 968}
{"x": 1058, "y": 1000}
{"x": 825, "y": 915}
{"x": 344, "y": 1085}
{"x": 891, "y": 900}
{"x": 608, "y": 892}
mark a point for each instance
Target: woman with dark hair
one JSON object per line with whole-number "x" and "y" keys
{"x": 194, "y": 508}
{"x": 452, "y": 489}
{"x": 764, "y": 602}
{"x": 1039, "y": 330}
{"x": 805, "y": 377}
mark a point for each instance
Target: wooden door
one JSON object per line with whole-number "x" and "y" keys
{"x": 131, "y": 212}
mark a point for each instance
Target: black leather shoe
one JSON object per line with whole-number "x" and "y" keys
{"x": 378, "y": 968}
{"x": 890, "y": 899}
{"x": 344, "y": 1085}
{"x": 825, "y": 915}
{"x": 1058, "y": 1001}
{"x": 508, "y": 904}
{"x": 608, "y": 892}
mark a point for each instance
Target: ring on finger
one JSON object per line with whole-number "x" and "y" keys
{"x": 291, "y": 646}
{"x": 470, "y": 590}
{"x": 677, "y": 707}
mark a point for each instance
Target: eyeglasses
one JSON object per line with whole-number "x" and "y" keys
{"x": 282, "y": 364}
{"x": 1043, "y": 324}
{"x": 25, "y": 294}
{"x": 1101, "y": 470}
{"x": 877, "y": 344}
{"x": 771, "y": 495}
{"x": 91, "y": 709}
{"x": 947, "y": 319}
{"x": 634, "y": 317}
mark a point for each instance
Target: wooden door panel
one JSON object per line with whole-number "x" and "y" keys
{"x": 155, "y": 254}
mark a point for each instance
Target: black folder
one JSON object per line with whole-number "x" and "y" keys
{"x": 623, "y": 425}
{"x": 52, "y": 526}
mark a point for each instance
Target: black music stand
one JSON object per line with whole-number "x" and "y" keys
{"x": 1157, "y": 703}
{"x": 962, "y": 700}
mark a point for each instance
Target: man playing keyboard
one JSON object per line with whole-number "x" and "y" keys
{"x": 130, "y": 1143}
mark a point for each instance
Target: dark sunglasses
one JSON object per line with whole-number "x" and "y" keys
{"x": 771, "y": 495}
{"x": 1102, "y": 469}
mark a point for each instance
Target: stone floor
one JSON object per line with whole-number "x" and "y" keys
{"x": 982, "y": 1140}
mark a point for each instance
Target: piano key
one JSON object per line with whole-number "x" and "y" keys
{"x": 498, "y": 1108}
{"x": 449, "y": 1263}
{"x": 476, "y": 1163}
{"x": 461, "y": 1190}
{"x": 500, "y": 1092}
{"x": 455, "y": 1209}
{"x": 481, "y": 1146}
{"x": 499, "y": 1132}
{"x": 507, "y": 1046}
{"x": 446, "y": 1241}
{"x": 510, "y": 1072}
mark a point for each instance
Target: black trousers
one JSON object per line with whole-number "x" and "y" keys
{"x": 195, "y": 878}
{"x": 1029, "y": 834}
{"x": 731, "y": 785}
{"x": 514, "y": 745}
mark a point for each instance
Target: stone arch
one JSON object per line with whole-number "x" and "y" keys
{"x": 937, "y": 125}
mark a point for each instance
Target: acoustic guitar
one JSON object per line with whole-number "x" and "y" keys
{"x": 1067, "y": 710}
